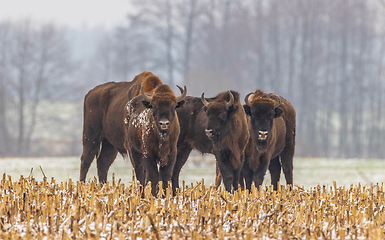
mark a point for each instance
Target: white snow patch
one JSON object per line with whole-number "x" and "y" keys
{"x": 143, "y": 123}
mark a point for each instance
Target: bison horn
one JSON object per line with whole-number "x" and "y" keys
{"x": 247, "y": 99}
{"x": 130, "y": 90}
{"x": 231, "y": 102}
{"x": 146, "y": 97}
{"x": 204, "y": 100}
{"x": 183, "y": 92}
{"x": 277, "y": 100}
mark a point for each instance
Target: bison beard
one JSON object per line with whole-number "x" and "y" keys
{"x": 227, "y": 128}
{"x": 152, "y": 130}
{"x": 272, "y": 142}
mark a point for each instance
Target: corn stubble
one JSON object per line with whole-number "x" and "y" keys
{"x": 31, "y": 209}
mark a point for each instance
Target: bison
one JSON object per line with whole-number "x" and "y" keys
{"x": 272, "y": 140}
{"x": 192, "y": 120}
{"x": 103, "y": 127}
{"x": 227, "y": 128}
{"x": 152, "y": 129}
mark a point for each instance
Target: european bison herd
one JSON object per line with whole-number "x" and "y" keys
{"x": 158, "y": 130}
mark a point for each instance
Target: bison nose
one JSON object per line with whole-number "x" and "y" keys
{"x": 262, "y": 135}
{"x": 209, "y": 133}
{"x": 164, "y": 124}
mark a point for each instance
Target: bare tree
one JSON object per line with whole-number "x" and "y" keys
{"x": 38, "y": 56}
{"x": 314, "y": 53}
{"x": 190, "y": 12}
{"x": 4, "y": 45}
{"x": 158, "y": 18}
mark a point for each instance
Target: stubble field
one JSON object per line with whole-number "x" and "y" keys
{"x": 331, "y": 199}
{"x": 308, "y": 172}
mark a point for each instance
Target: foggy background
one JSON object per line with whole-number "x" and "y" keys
{"x": 327, "y": 57}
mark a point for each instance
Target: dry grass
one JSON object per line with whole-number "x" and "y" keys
{"x": 31, "y": 209}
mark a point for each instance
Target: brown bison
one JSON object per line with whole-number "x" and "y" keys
{"x": 103, "y": 127}
{"x": 227, "y": 128}
{"x": 272, "y": 140}
{"x": 192, "y": 121}
{"x": 152, "y": 134}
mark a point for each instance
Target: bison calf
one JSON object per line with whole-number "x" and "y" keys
{"x": 227, "y": 127}
{"x": 272, "y": 140}
{"x": 152, "y": 129}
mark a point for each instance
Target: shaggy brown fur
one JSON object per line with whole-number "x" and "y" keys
{"x": 275, "y": 116}
{"x": 149, "y": 142}
{"x": 227, "y": 128}
{"x": 192, "y": 120}
{"x": 103, "y": 127}
{"x": 150, "y": 82}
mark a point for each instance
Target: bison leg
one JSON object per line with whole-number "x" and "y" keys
{"x": 152, "y": 173}
{"x": 227, "y": 171}
{"x": 227, "y": 180}
{"x": 167, "y": 170}
{"x": 261, "y": 171}
{"x": 287, "y": 163}
{"x": 275, "y": 171}
{"x": 237, "y": 173}
{"x": 106, "y": 158}
{"x": 238, "y": 176}
{"x": 137, "y": 162}
{"x": 218, "y": 176}
{"x": 182, "y": 155}
{"x": 90, "y": 151}
{"x": 247, "y": 175}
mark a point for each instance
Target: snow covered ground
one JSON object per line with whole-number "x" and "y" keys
{"x": 308, "y": 172}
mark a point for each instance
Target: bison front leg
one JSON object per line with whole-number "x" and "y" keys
{"x": 259, "y": 175}
{"x": 138, "y": 164}
{"x": 167, "y": 171}
{"x": 182, "y": 154}
{"x": 237, "y": 173}
{"x": 152, "y": 173}
{"x": 226, "y": 169}
{"x": 218, "y": 176}
{"x": 227, "y": 175}
{"x": 247, "y": 175}
{"x": 238, "y": 180}
{"x": 275, "y": 171}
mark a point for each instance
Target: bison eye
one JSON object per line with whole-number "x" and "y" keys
{"x": 223, "y": 116}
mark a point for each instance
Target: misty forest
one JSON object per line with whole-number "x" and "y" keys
{"x": 326, "y": 57}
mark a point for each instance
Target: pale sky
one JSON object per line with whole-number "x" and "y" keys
{"x": 74, "y": 13}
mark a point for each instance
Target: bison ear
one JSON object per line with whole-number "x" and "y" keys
{"x": 180, "y": 104}
{"x": 147, "y": 104}
{"x": 247, "y": 109}
{"x": 278, "y": 112}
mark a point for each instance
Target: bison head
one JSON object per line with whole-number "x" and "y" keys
{"x": 163, "y": 104}
{"x": 219, "y": 113}
{"x": 262, "y": 108}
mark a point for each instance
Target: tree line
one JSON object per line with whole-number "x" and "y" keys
{"x": 326, "y": 57}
